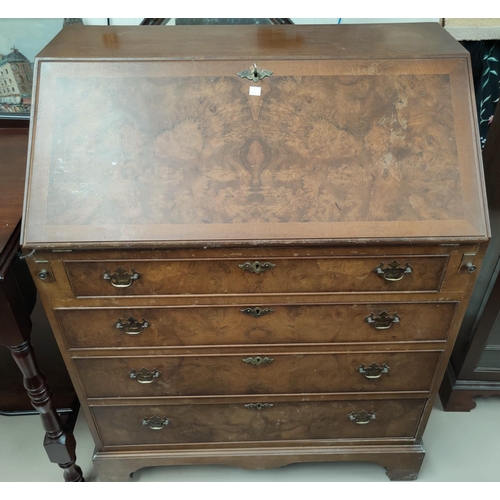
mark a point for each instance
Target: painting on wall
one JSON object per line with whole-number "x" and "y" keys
{"x": 20, "y": 42}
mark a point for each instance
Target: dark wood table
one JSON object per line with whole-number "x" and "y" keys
{"x": 17, "y": 300}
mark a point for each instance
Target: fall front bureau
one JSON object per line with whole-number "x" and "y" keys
{"x": 255, "y": 256}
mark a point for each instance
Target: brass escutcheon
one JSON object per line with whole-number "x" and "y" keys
{"x": 256, "y": 312}
{"x": 257, "y": 267}
{"x": 255, "y": 74}
{"x": 259, "y": 406}
{"x": 258, "y": 361}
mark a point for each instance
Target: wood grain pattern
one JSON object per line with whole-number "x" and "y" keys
{"x": 228, "y": 374}
{"x": 288, "y": 324}
{"x": 197, "y": 277}
{"x": 185, "y": 156}
{"x": 233, "y": 422}
{"x": 201, "y": 161}
{"x": 236, "y": 42}
{"x": 361, "y": 146}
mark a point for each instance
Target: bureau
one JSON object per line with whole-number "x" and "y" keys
{"x": 255, "y": 244}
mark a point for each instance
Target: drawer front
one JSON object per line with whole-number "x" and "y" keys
{"x": 255, "y": 324}
{"x": 257, "y": 374}
{"x": 256, "y": 276}
{"x": 240, "y": 422}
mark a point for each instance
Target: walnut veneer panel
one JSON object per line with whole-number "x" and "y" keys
{"x": 229, "y": 374}
{"x": 193, "y": 276}
{"x": 202, "y": 423}
{"x": 228, "y": 325}
{"x": 377, "y": 148}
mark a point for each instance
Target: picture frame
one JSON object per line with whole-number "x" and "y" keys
{"x": 21, "y": 39}
{"x": 156, "y": 21}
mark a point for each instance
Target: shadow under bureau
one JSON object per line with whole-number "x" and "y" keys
{"x": 255, "y": 248}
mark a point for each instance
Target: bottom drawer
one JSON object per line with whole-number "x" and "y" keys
{"x": 257, "y": 421}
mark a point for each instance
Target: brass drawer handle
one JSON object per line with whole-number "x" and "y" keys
{"x": 155, "y": 423}
{"x": 255, "y": 74}
{"x": 144, "y": 376}
{"x": 257, "y": 267}
{"x": 132, "y": 326}
{"x": 258, "y": 361}
{"x": 256, "y": 312}
{"x": 259, "y": 406}
{"x": 373, "y": 371}
{"x": 362, "y": 417}
{"x": 121, "y": 278}
{"x": 383, "y": 321}
{"x": 394, "y": 272}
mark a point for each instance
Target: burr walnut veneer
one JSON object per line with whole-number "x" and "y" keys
{"x": 255, "y": 244}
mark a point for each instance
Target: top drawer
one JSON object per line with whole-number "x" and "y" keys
{"x": 256, "y": 276}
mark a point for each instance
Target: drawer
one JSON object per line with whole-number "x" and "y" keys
{"x": 271, "y": 421}
{"x": 255, "y": 324}
{"x": 254, "y": 276}
{"x": 196, "y": 375}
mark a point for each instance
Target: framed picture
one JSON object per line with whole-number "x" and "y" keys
{"x": 150, "y": 21}
{"x": 20, "y": 42}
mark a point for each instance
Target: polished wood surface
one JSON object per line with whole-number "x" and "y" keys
{"x": 197, "y": 277}
{"x": 235, "y": 42}
{"x": 102, "y": 373}
{"x": 163, "y": 185}
{"x": 205, "y": 161}
{"x": 284, "y": 421}
{"x": 230, "y": 374}
{"x": 233, "y": 325}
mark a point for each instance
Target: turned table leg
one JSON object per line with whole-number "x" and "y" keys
{"x": 59, "y": 444}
